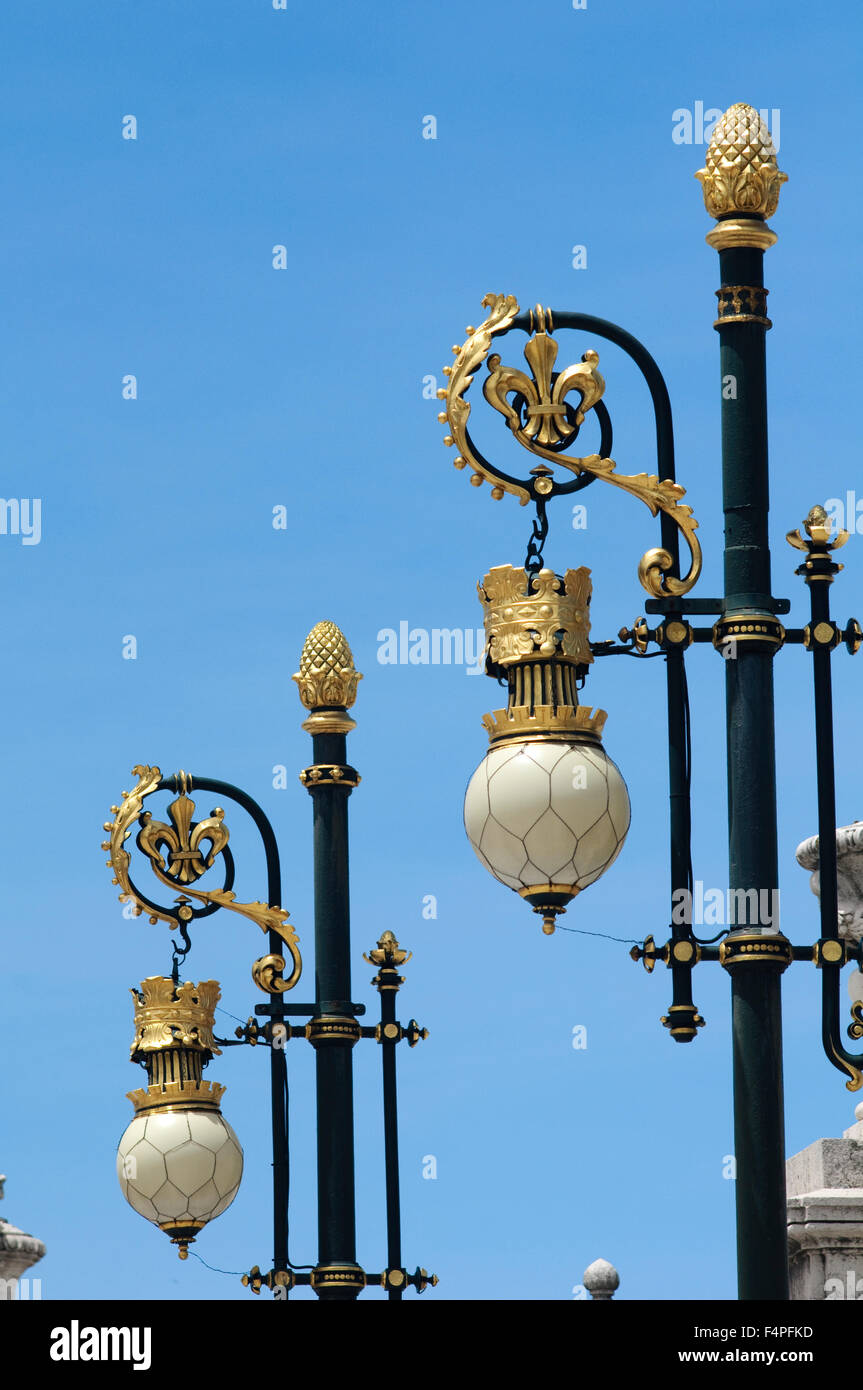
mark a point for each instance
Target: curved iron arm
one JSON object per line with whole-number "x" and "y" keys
{"x": 655, "y": 381}
{"x": 685, "y": 1018}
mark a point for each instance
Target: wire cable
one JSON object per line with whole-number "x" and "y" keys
{"x": 238, "y": 1272}
{"x": 580, "y": 931}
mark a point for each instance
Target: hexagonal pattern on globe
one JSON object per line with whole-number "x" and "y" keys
{"x": 547, "y": 812}
{"x": 180, "y": 1165}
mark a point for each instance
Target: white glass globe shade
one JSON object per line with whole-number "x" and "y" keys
{"x": 180, "y": 1166}
{"x": 541, "y": 813}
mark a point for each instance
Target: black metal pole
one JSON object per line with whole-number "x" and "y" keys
{"x": 819, "y": 591}
{"x": 741, "y": 182}
{"x": 389, "y": 957}
{"x": 327, "y": 681}
{"x": 821, "y": 637}
{"x": 332, "y": 997}
{"x": 391, "y": 1135}
{"x": 748, "y": 623}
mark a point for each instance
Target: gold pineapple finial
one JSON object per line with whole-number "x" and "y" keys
{"x": 741, "y": 176}
{"x": 327, "y": 679}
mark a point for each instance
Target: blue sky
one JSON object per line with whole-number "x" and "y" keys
{"x": 303, "y": 387}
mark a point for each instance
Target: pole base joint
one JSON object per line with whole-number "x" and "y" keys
{"x": 341, "y": 1280}
{"x": 332, "y": 1028}
{"x": 756, "y": 631}
{"x": 747, "y": 948}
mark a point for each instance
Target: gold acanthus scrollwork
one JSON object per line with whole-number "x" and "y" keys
{"x": 468, "y": 358}
{"x": 659, "y": 495}
{"x": 267, "y": 975}
{"x": 119, "y": 858}
{"x": 854, "y": 1072}
{"x": 267, "y": 917}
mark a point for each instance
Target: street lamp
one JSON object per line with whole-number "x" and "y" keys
{"x": 179, "y": 1162}
{"x": 547, "y": 811}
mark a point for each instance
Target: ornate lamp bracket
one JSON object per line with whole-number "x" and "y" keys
{"x": 182, "y": 852}
{"x": 545, "y": 423}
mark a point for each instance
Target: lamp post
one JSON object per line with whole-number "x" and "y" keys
{"x": 547, "y": 811}
{"x": 179, "y": 1162}
{"x": 741, "y": 184}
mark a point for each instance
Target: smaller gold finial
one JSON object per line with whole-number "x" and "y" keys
{"x": 818, "y": 524}
{"x": 819, "y": 527}
{"x": 741, "y": 176}
{"x": 327, "y": 678}
{"x": 388, "y": 957}
{"x": 388, "y": 953}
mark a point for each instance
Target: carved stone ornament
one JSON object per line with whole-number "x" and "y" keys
{"x": 849, "y": 876}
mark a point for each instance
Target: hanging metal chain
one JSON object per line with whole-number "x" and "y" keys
{"x": 180, "y": 952}
{"x": 533, "y": 559}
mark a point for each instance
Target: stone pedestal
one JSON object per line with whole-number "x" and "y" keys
{"x": 825, "y": 1181}
{"x": 825, "y": 1217}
